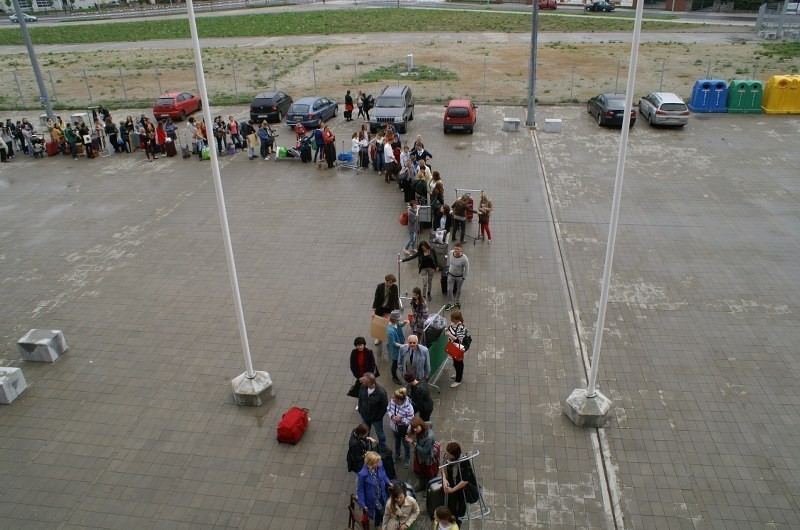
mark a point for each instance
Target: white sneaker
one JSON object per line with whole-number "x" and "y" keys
{"x": 377, "y": 342}
{"x": 356, "y": 408}
{"x": 454, "y": 385}
{"x": 266, "y": 158}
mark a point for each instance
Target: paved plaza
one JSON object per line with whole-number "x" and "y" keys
{"x": 135, "y": 426}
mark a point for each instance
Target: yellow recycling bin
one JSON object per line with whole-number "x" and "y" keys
{"x": 782, "y": 95}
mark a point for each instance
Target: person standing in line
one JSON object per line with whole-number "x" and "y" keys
{"x": 456, "y": 332}
{"x": 456, "y": 478}
{"x": 413, "y": 225}
{"x": 72, "y": 141}
{"x": 372, "y": 404}
{"x": 457, "y": 270}
{"x": 348, "y": 107}
{"x": 387, "y": 298}
{"x": 419, "y": 312}
{"x": 362, "y": 360}
{"x": 426, "y": 461}
{"x": 330, "y": 146}
{"x": 264, "y": 139}
{"x": 171, "y": 129}
{"x": 357, "y": 446}
{"x": 360, "y": 104}
{"x": 391, "y": 167}
{"x": 484, "y": 213}
{"x": 444, "y": 519}
{"x": 400, "y": 412}
{"x": 394, "y": 339}
{"x": 420, "y": 395}
{"x": 460, "y": 209}
{"x": 415, "y": 358}
{"x": 319, "y": 143}
{"x": 372, "y": 488}
{"x": 401, "y": 510}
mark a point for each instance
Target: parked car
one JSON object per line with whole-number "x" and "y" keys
{"x": 609, "y": 109}
{"x": 28, "y": 18}
{"x": 394, "y": 105}
{"x": 600, "y": 5}
{"x": 548, "y": 4}
{"x": 270, "y": 106}
{"x": 664, "y": 108}
{"x": 311, "y": 111}
{"x": 461, "y": 115}
{"x": 176, "y": 105}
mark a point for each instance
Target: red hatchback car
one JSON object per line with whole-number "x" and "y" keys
{"x": 461, "y": 115}
{"x": 176, "y": 105}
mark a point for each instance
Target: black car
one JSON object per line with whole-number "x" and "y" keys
{"x": 609, "y": 109}
{"x": 270, "y": 106}
{"x": 600, "y": 5}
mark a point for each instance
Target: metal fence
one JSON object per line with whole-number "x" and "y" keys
{"x": 565, "y": 73}
{"x": 779, "y": 21}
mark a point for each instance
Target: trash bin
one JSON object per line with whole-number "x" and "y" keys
{"x": 709, "y": 95}
{"x": 782, "y": 95}
{"x": 744, "y": 96}
{"x": 434, "y": 327}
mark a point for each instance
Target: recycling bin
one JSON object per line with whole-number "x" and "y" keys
{"x": 744, "y": 96}
{"x": 782, "y": 95}
{"x": 709, "y": 95}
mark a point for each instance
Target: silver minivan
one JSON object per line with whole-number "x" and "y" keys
{"x": 663, "y": 108}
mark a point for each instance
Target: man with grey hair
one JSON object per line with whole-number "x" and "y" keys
{"x": 457, "y": 270}
{"x": 372, "y": 405}
{"x": 415, "y": 358}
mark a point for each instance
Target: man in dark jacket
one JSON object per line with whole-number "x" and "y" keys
{"x": 420, "y": 396}
{"x": 372, "y": 404}
{"x": 387, "y": 298}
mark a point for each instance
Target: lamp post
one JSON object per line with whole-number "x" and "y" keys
{"x": 530, "y": 121}
{"x": 37, "y": 72}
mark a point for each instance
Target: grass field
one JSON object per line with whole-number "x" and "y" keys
{"x": 327, "y": 23}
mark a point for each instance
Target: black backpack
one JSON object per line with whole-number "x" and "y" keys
{"x": 467, "y": 342}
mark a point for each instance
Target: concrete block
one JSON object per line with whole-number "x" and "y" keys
{"x": 252, "y": 392}
{"x": 12, "y": 384}
{"x": 587, "y": 411}
{"x": 552, "y": 125}
{"x": 45, "y": 345}
{"x": 511, "y": 124}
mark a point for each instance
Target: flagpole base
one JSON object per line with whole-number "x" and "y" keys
{"x": 587, "y": 411}
{"x": 252, "y": 392}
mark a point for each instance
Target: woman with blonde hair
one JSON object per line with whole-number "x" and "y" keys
{"x": 372, "y": 487}
{"x": 401, "y": 412}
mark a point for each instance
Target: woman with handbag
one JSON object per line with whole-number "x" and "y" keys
{"x": 456, "y": 332}
{"x": 426, "y": 457}
{"x": 401, "y": 412}
{"x": 362, "y": 360}
{"x": 372, "y": 488}
{"x": 484, "y": 212}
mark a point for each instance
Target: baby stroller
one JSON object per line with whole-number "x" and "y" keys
{"x": 37, "y": 142}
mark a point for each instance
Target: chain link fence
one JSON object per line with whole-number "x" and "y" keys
{"x": 437, "y": 71}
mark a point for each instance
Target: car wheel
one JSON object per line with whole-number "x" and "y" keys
{"x": 471, "y": 130}
{"x": 445, "y": 130}
{"x": 650, "y": 119}
{"x": 335, "y": 111}
{"x": 599, "y": 119}
{"x": 183, "y": 115}
{"x": 411, "y": 118}
{"x": 588, "y": 108}
{"x": 402, "y": 129}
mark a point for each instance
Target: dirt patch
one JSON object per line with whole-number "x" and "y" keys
{"x": 494, "y": 72}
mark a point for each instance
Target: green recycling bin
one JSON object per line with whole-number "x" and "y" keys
{"x": 744, "y": 96}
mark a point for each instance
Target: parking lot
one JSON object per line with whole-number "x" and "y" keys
{"x": 136, "y": 426}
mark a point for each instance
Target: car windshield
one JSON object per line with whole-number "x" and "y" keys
{"x": 299, "y": 109}
{"x": 396, "y": 103}
{"x": 458, "y": 112}
{"x": 165, "y": 101}
{"x": 673, "y": 107}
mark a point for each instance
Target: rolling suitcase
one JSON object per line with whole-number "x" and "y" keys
{"x": 170, "y": 148}
{"x": 434, "y": 495}
{"x": 52, "y": 148}
{"x": 425, "y": 218}
{"x": 292, "y": 426}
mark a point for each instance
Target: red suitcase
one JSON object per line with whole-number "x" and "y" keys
{"x": 170, "y": 148}
{"x": 52, "y": 148}
{"x": 292, "y": 426}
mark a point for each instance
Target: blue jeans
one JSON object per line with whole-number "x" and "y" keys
{"x": 398, "y": 440}
{"x": 412, "y": 240}
{"x": 378, "y": 430}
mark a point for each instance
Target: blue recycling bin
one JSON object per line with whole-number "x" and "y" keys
{"x": 709, "y": 95}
